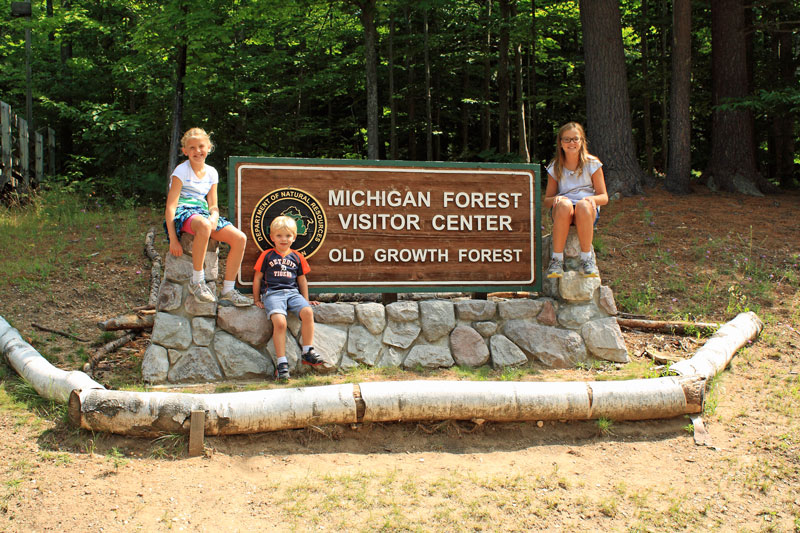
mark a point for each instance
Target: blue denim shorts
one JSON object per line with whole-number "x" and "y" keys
{"x": 281, "y": 300}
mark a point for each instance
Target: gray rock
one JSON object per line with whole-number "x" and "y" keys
{"x": 334, "y": 313}
{"x": 604, "y": 340}
{"x": 202, "y": 331}
{"x": 574, "y": 316}
{"x": 211, "y": 266}
{"x": 196, "y": 365}
{"x": 169, "y": 296}
{"x": 519, "y": 308}
{"x": 486, "y": 329}
{"x": 249, "y": 324}
{"x": 468, "y": 347}
{"x": 187, "y": 241}
{"x": 171, "y": 331}
{"x": 239, "y": 360}
{"x": 555, "y": 348}
{"x": 372, "y": 316}
{"x": 329, "y": 343}
{"x": 195, "y": 308}
{"x": 155, "y": 364}
{"x": 429, "y": 357}
{"x": 550, "y": 286}
{"x": 438, "y": 318}
{"x": 400, "y": 334}
{"x": 363, "y": 346}
{"x": 292, "y": 351}
{"x": 576, "y": 288}
{"x": 548, "y": 314}
{"x": 475, "y": 310}
{"x": 605, "y": 300}
{"x": 346, "y": 363}
{"x": 505, "y": 353}
{"x": 391, "y": 357}
{"x": 405, "y": 311}
{"x": 294, "y": 324}
{"x": 178, "y": 269}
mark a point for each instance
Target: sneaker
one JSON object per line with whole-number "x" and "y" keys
{"x": 282, "y": 372}
{"x": 234, "y": 298}
{"x": 589, "y": 268}
{"x": 201, "y": 292}
{"x": 312, "y": 358}
{"x": 556, "y": 268}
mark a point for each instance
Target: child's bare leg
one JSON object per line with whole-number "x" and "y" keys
{"x": 237, "y": 241}
{"x": 202, "y": 231}
{"x": 562, "y": 218}
{"x": 279, "y": 334}
{"x": 307, "y": 327}
{"x": 584, "y": 223}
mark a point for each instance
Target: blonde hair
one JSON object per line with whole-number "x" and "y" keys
{"x": 283, "y": 222}
{"x": 197, "y": 133}
{"x": 583, "y": 153}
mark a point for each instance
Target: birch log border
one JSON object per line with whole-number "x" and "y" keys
{"x": 94, "y": 408}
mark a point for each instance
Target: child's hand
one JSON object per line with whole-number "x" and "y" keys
{"x": 314, "y": 302}
{"x": 258, "y": 303}
{"x": 175, "y": 248}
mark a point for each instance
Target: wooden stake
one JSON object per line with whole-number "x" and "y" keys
{"x": 196, "y": 433}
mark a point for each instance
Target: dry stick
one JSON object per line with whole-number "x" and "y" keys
{"x": 666, "y": 326}
{"x": 155, "y": 271}
{"x": 107, "y": 349}
{"x": 62, "y": 333}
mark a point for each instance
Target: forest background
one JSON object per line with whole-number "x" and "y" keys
{"x": 669, "y": 91}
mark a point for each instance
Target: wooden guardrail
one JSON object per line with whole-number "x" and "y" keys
{"x": 19, "y": 168}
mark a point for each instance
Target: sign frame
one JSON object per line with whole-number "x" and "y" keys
{"x": 234, "y": 199}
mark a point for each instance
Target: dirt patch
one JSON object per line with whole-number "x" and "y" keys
{"x": 705, "y": 257}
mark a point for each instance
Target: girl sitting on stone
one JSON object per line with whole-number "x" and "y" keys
{"x": 575, "y": 190}
{"x": 192, "y": 208}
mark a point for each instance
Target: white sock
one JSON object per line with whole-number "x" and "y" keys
{"x": 282, "y": 360}
{"x": 198, "y": 276}
{"x": 306, "y": 348}
{"x": 585, "y": 256}
{"x": 560, "y": 256}
{"x": 227, "y": 286}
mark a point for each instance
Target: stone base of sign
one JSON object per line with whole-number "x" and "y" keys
{"x": 571, "y": 324}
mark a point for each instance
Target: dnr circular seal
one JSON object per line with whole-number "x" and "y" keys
{"x": 306, "y": 211}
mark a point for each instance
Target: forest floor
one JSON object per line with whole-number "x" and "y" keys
{"x": 702, "y": 257}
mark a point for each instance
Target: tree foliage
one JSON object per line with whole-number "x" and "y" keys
{"x": 288, "y": 79}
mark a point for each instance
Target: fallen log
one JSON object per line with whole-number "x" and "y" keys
{"x": 152, "y": 413}
{"x": 668, "y": 326}
{"x": 134, "y": 321}
{"x": 155, "y": 270}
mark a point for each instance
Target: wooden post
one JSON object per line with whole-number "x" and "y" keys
{"x": 38, "y": 166}
{"x": 196, "y": 433}
{"x": 24, "y": 151}
{"x": 5, "y": 141}
{"x": 51, "y": 152}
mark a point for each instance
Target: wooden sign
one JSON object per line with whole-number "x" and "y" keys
{"x": 391, "y": 226}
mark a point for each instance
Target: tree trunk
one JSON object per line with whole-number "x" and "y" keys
{"x": 732, "y": 166}
{"x": 368, "y": 10}
{"x": 486, "y": 108}
{"x": 532, "y": 93}
{"x": 783, "y": 122}
{"x": 522, "y": 138}
{"x": 648, "y": 126}
{"x": 503, "y": 80}
{"x": 177, "y": 110}
{"x": 680, "y": 125}
{"x": 410, "y": 92}
{"x": 392, "y": 101}
{"x": 465, "y": 113}
{"x": 610, "y": 132}
{"x": 428, "y": 105}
